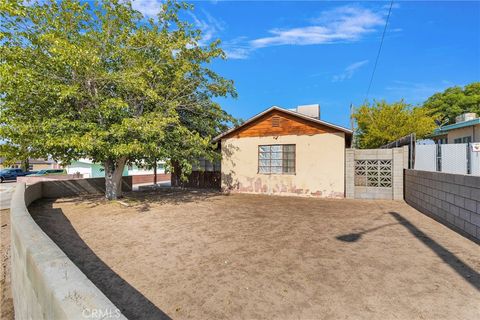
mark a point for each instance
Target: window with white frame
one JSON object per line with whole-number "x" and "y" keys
{"x": 276, "y": 159}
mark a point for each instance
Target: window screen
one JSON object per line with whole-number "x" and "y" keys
{"x": 277, "y": 158}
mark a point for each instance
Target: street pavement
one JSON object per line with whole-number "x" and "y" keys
{"x": 6, "y": 191}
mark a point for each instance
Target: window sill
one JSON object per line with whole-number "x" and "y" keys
{"x": 278, "y": 174}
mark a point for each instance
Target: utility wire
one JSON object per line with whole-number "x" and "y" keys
{"x": 379, "y": 50}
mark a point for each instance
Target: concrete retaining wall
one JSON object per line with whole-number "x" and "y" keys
{"x": 34, "y": 179}
{"x": 57, "y": 188}
{"x": 452, "y": 199}
{"x": 46, "y": 284}
{"x": 70, "y": 188}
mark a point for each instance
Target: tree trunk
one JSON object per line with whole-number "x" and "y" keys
{"x": 113, "y": 178}
{"x": 25, "y": 165}
{"x": 155, "y": 172}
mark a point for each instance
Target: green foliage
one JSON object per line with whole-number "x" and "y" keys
{"x": 13, "y": 153}
{"x": 380, "y": 123}
{"x": 454, "y": 101}
{"x": 97, "y": 80}
{"x": 21, "y": 151}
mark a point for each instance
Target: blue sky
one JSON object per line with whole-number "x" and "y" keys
{"x": 290, "y": 53}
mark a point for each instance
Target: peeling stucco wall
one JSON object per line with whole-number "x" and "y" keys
{"x": 320, "y": 162}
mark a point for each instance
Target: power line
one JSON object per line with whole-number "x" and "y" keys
{"x": 379, "y": 50}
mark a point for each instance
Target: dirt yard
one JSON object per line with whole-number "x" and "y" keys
{"x": 186, "y": 255}
{"x": 6, "y": 301}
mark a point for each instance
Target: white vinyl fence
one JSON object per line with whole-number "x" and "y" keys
{"x": 475, "y": 163}
{"x": 426, "y": 157}
{"x": 460, "y": 158}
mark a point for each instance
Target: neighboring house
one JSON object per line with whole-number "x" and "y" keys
{"x": 89, "y": 169}
{"x": 465, "y": 129}
{"x": 284, "y": 152}
{"x": 34, "y": 164}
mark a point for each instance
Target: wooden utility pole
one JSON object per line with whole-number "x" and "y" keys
{"x": 352, "y": 124}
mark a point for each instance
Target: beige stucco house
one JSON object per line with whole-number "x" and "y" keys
{"x": 285, "y": 152}
{"x": 34, "y": 164}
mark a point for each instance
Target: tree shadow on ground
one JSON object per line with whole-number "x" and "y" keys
{"x": 355, "y": 236}
{"x": 461, "y": 268}
{"x": 132, "y": 303}
{"x": 142, "y": 201}
{"x": 90, "y": 201}
{"x": 465, "y": 271}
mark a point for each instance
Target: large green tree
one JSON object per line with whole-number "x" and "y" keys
{"x": 98, "y": 80}
{"x": 454, "y": 101}
{"x": 380, "y": 123}
{"x": 11, "y": 154}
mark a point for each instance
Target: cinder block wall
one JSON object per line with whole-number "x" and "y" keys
{"x": 399, "y": 157}
{"x": 453, "y": 199}
{"x": 46, "y": 284}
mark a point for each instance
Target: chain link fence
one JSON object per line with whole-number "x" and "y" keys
{"x": 459, "y": 158}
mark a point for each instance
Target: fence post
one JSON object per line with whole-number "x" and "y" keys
{"x": 438, "y": 157}
{"x": 469, "y": 168}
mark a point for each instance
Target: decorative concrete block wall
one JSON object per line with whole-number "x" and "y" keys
{"x": 452, "y": 199}
{"x": 46, "y": 284}
{"x": 350, "y": 173}
{"x": 398, "y": 159}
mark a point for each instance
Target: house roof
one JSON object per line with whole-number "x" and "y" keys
{"x": 293, "y": 113}
{"x": 445, "y": 129}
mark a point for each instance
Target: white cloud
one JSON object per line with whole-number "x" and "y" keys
{"x": 149, "y": 8}
{"x": 395, "y": 5}
{"x": 342, "y": 24}
{"x": 237, "y": 48}
{"x": 416, "y": 92}
{"x": 209, "y": 26}
{"x": 349, "y": 71}
{"x": 237, "y": 53}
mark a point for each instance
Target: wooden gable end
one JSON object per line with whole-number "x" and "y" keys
{"x": 277, "y": 123}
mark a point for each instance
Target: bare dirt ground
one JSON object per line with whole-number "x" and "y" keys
{"x": 6, "y": 302}
{"x": 201, "y": 255}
